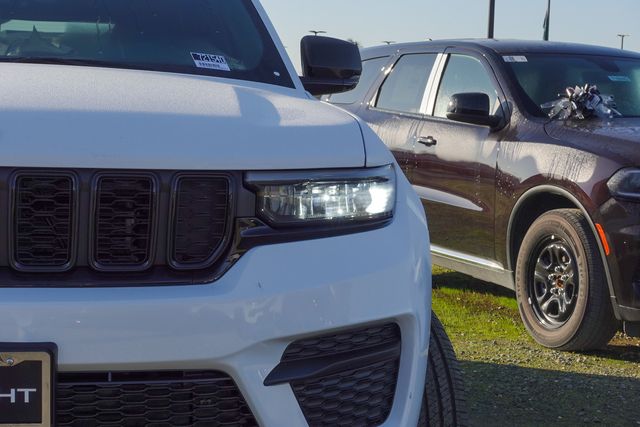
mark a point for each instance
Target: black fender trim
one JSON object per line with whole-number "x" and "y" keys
{"x": 552, "y": 189}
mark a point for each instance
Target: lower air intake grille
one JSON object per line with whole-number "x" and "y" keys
{"x": 358, "y": 339}
{"x": 360, "y": 395}
{"x": 200, "y": 399}
{"x": 201, "y": 220}
{"x": 124, "y": 217}
{"x": 43, "y": 221}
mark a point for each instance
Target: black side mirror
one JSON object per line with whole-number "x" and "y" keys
{"x": 472, "y": 108}
{"x": 329, "y": 65}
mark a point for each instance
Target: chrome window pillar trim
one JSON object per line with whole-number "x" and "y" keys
{"x": 387, "y": 69}
{"x": 429, "y": 98}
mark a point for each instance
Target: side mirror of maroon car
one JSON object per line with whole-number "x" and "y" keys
{"x": 473, "y": 108}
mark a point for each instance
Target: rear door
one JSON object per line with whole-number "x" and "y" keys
{"x": 394, "y": 110}
{"x": 456, "y": 162}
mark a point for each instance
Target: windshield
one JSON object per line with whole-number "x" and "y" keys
{"x": 223, "y": 38}
{"x": 543, "y": 77}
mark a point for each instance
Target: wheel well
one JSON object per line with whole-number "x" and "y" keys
{"x": 527, "y": 212}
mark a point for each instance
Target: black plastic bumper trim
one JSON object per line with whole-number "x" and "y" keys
{"x": 304, "y": 369}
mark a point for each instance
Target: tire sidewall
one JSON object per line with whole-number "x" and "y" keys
{"x": 551, "y": 224}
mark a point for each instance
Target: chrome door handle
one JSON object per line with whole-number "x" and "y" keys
{"x": 429, "y": 141}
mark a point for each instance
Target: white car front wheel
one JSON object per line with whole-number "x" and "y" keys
{"x": 444, "y": 402}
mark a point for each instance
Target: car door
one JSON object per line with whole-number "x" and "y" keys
{"x": 394, "y": 110}
{"x": 455, "y": 170}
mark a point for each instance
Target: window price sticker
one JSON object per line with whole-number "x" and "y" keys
{"x": 211, "y": 62}
{"x": 515, "y": 59}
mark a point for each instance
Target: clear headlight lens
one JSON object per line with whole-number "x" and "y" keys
{"x": 325, "y": 196}
{"x": 625, "y": 184}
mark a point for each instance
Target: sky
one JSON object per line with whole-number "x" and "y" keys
{"x": 371, "y": 21}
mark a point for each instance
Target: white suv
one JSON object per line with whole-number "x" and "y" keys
{"x": 190, "y": 238}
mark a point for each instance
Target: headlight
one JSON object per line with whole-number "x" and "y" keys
{"x": 625, "y": 184}
{"x": 325, "y": 197}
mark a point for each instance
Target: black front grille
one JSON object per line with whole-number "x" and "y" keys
{"x": 88, "y": 227}
{"x": 124, "y": 219}
{"x": 43, "y": 221}
{"x": 201, "y": 212}
{"x": 359, "y": 394}
{"x": 171, "y": 399}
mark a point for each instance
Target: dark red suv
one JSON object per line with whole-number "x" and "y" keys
{"x": 548, "y": 207}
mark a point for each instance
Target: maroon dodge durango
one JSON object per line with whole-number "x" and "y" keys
{"x": 526, "y": 156}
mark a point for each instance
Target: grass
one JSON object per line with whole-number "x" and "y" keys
{"x": 507, "y": 373}
{"x": 491, "y": 315}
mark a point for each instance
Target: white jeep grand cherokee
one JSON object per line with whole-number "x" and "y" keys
{"x": 189, "y": 238}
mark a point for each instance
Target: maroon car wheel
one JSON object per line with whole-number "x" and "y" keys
{"x": 561, "y": 286}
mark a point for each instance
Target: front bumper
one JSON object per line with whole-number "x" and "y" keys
{"x": 621, "y": 222}
{"x": 241, "y": 324}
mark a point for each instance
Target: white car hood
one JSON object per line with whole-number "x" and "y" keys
{"x": 84, "y": 117}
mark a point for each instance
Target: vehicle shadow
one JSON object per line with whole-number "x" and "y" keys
{"x": 454, "y": 280}
{"x": 620, "y": 348}
{"x": 507, "y": 395}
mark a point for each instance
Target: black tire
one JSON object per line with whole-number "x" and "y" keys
{"x": 443, "y": 403}
{"x": 561, "y": 286}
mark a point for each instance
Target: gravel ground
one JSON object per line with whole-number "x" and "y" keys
{"x": 511, "y": 380}
{"x": 511, "y": 383}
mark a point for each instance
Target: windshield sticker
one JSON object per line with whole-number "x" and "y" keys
{"x": 211, "y": 62}
{"x": 620, "y": 79}
{"x": 515, "y": 59}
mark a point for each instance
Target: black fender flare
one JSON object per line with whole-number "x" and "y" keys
{"x": 552, "y": 189}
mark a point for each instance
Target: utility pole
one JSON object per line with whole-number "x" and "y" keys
{"x": 492, "y": 18}
{"x": 547, "y": 22}
{"x": 622, "y": 36}
{"x": 316, "y": 32}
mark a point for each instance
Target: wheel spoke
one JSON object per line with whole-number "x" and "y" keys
{"x": 543, "y": 299}
{"x": 562, "y": 306}
{"x": 545, "y": 307}
{"x": 570, "y": 293}
{"x": 541, "y": 273}
{"x": 556, "y": 255}
{"x": 568, "y": 271}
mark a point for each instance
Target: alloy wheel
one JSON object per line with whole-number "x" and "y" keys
{"x": 553, "y": 289}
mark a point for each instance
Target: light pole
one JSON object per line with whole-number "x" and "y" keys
{"x": 622, "y": 36}
{"x": 316, "y": 32}
{"x": 547, "y": 22}
{"x": 492, "y": 18}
